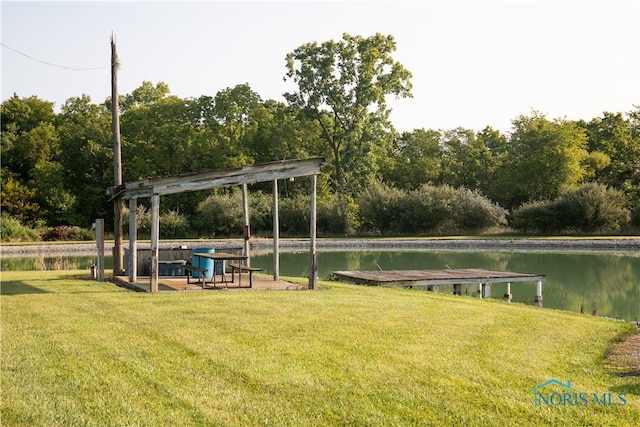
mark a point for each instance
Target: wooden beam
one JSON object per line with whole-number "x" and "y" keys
{"x": 313, "y": 256}
{"x": 99, "y": 226}
{"x": 246, "y": 232}
{"x": 133, "y": 242}
{"x": 276, "y": 233}
{"x": 155, "y": 237}
{"x": 222, "y": 178}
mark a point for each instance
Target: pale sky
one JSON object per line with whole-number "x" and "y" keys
{"x": 474, "y": 63}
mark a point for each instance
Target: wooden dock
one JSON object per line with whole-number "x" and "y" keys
{"x": 433, "y": 278}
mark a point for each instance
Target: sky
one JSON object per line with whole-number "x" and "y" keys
{"x": 474, "y": 63}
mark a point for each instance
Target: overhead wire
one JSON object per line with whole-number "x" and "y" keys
{"x": 55, "y": 65}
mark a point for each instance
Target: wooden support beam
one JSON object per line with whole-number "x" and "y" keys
{"x": 155, "y": 237}
{"x": 276, "y": 233}
{"x": 99, "y": 227}
{"x": 313, "y": 256}
{"x": 133, "y": 242}
{"x": 246, "y": 232}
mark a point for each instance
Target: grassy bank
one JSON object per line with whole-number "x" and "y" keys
{"x": 77, "y": 352}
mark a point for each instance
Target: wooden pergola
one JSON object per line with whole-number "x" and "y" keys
{"x": 155, "y": 187}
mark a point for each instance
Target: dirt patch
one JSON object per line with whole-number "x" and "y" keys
{"x": 624, "y": 357}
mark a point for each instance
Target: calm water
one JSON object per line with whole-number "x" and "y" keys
{"x": 608, "y": 281}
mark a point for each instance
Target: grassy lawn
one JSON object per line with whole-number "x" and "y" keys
{"x": 78, "y": 352}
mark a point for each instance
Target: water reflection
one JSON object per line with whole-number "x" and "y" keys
{"x": 607, "y": 282}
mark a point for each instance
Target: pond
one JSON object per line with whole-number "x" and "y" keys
{"x": 605, "y": 281}
{"x": 608, "y": 282}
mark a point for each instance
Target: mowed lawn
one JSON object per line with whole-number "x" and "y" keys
{"x": 77, "y": 352}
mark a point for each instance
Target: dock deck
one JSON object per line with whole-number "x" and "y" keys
{"x": 435, "y": 277}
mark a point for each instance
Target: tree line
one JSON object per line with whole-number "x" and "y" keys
{"x": 545, "y": 175}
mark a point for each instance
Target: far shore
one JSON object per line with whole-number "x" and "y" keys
{"x": 631, "y": 243}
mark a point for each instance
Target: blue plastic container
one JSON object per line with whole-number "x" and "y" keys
{"x": 201, "y": 262}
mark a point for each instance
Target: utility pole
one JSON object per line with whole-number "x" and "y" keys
{"x": 117, "y": 161}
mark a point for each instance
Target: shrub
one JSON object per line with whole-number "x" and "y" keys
{"x": 12, "y": 230}
{"x": 428, "y": 209}
{"x": 635, "y": 215}
{"x": 473, "y": 211}
{"x": 590, "y": 208}
{"x": 67, "y": 233}
{"x": 337, "y": 216}
{"x": 295, "y": 218}
{"x": 593, "y": 207}
{"x": 220, "y": 215}
{"x": 378, "y": 207}
{"x": 174, "y": 225}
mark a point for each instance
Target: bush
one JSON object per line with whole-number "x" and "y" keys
{"x": 535, "y": 216}
{"x": 635, "y": 215}
{"x": 378, "y": 207}
{"x": 428, "y": 209}
{"x": 12, "y": 230}
{"x": 590, "y": 208}
{"x": 220, "y": 215}
{"x": 337, "y": 216}
{"x": 174, "y": 225}
{"x": 67, "y": 233}
{"x": 473, "y": 211}
{"x": 295, "y": 215}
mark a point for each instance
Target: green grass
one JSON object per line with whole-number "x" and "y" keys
{"x": 78, "y": 352}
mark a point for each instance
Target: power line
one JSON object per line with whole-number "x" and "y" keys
{"x": 55, "y": 65}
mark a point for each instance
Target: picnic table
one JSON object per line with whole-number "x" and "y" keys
{"x": 218, "y": 260}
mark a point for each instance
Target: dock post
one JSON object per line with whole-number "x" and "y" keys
{"x": 480, "y": 290}
{"x": 538, "y": 298}
{"x": 508, "y": 294}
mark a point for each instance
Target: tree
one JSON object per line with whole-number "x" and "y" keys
{"x": 344, "y": 84}
{"x": 415, "y": 159}
{"x": 87, "y": 156}
{"x": 544, "y": 158}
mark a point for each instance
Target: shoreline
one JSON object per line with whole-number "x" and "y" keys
{"x": 266, "y": 245}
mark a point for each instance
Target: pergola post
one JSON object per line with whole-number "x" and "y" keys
{"x": 133, "y": 242}
{"x": 247, "y": 230}
{"x": 155, "y": 237}
{"x": 276, "y": 233}
{"x": 313, "y": 257}
{"x": 99, "y": 226}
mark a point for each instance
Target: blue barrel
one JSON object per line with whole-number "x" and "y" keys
{"x": 201, "y": 262}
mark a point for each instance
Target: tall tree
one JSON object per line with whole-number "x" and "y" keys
{"x": 544, "y": 158}
{"x": 415, "y": 160}
{"x": 87, "y": 155}
{"x": 344, "y": 84}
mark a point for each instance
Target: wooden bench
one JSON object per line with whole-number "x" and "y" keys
{"x": 241, "y": 268}
{"x": 188, "y": 268}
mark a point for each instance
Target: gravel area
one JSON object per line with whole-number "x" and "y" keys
{"x": 629, "y": 244}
